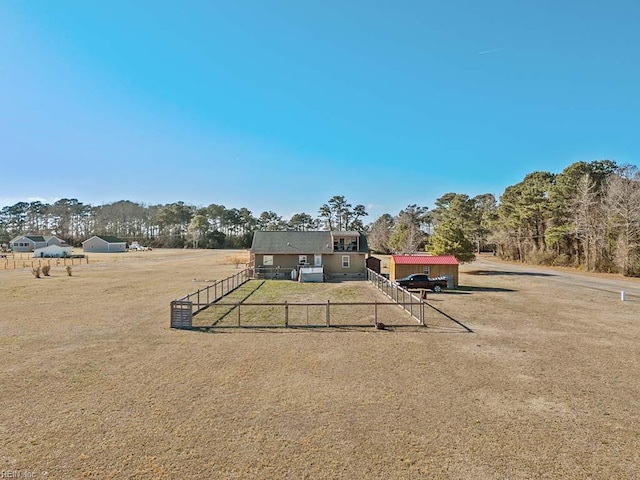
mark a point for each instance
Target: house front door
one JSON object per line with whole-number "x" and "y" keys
{"x": 317, "y": 260}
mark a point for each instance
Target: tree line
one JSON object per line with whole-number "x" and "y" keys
{"x": 586, "y": 216}
{"x": 174, "y": 225}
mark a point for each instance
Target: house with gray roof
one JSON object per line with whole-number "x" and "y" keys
{"x": 29, "y": 243}
{"x": 309, "y": 256}
{"x": 104, "y": 244}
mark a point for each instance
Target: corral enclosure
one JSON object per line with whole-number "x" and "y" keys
{"x": 289, "y": 303}
{"x": 95, "y": 384}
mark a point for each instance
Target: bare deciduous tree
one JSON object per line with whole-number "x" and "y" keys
{"x": 622, "y": 203}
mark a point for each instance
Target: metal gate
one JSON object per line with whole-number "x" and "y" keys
{"x": 181, "y": 314}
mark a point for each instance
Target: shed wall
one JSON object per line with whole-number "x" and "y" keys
{"x": 401, "y": 271}
{"x": 98, "y": 245}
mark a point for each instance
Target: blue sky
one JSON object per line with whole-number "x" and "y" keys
{"x": 280, "y": 105}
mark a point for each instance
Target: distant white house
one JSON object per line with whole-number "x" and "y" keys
{"x": 104, "y": 244}
{"x": 29, "y": 243}
{"x": 53, "y": 251}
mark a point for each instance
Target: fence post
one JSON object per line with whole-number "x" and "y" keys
{"x": 411, "y": 303}
{"x": 328, "y": 315}
{"x": 238, "y": 313}
{"x": 286, "y": 314}
{"x": 375, "y": 313}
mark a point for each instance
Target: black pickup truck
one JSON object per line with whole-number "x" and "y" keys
{"x": 421, "y": 281}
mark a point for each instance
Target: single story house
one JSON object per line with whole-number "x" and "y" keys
{"x": 433, "y": 265}
{"x": 104, "y": 244}
{"x": 313, "y": 255}
{"x": 54, "y": 251}
{"x": 29, "y": 243}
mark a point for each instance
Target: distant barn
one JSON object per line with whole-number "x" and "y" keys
{"x": 104, "y": 244}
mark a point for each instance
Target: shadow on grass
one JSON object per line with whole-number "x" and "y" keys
{"x": 281, "y": 329}
{"x": 468, "y": 330}
{"x": 234, "y": 307}
{"x": 465, "y": 290}
{"x": 502, "y": 272}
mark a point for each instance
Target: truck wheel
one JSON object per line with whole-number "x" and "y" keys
{"x": 437, "y": 289}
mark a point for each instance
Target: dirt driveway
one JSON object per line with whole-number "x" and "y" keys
{"x": 95, "y": 385}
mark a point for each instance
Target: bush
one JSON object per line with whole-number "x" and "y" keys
{"x": 565, "y": 260}
{"x": 542, "y": 257}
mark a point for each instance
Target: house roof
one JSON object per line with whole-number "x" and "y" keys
{"x": 292, "y": 242}
{"x": 107, "y": 238}
{"x": 425, "y": 260}
{"x": 33, "y": 238}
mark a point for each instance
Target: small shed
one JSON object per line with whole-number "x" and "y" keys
{"x": 433, "y": 265}
{"x": 373, "y": 263}
{"x": 54, "y": 251}
{"x": 104, "y": 244}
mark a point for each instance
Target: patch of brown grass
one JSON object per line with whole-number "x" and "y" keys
{"x": 94, "y": 383}
{"x": 240, "y": 258}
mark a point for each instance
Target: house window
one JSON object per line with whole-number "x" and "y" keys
{"x": 345, "y": 261}
{"x": 267, "y": 260}
{"x": 426, "y": 270}
{"x": 302, "y": 259}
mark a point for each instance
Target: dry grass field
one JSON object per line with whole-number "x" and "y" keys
{"x": 94, "y": 384}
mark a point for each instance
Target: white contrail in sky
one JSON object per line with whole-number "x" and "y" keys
{"x": 484, "y": 52}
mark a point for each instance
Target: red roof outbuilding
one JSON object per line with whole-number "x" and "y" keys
{"x": 425, "y": 260}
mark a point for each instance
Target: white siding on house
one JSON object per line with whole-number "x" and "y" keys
{"x": 53, "y": 251}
